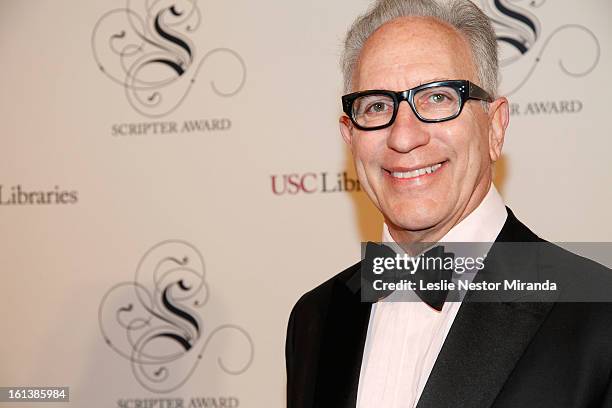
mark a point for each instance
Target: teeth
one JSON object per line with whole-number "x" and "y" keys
{"x": 417, "y": 172}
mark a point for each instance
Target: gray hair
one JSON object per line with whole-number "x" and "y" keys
{"x": 463, "y": 15}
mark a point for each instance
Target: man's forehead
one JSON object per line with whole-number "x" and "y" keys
{"x": 422, "y": 48}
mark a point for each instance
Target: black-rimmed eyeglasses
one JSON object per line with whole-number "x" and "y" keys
{"x": 433, "y": 102}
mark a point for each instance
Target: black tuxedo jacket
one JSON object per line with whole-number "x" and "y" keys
{"x": 497, "y": 354}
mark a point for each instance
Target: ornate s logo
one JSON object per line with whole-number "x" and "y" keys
{"x": 518, "y": 33}
{"x": 148, "y": 51}
{"x": 517, "y": 29}
{"x": 154, "y": 321}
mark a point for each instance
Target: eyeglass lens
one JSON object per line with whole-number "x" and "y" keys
{"x": 434, "y": 103}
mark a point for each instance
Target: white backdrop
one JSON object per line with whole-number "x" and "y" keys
{"x": 154, "y": 236}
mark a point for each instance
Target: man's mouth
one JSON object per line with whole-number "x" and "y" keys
{"x": 415, "y": 173}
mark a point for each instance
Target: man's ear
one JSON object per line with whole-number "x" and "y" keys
{"x": 499, "y": 116}
{"x": 346, "y": 128}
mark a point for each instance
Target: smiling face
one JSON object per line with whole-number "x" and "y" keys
{"x": 423, "y": 177}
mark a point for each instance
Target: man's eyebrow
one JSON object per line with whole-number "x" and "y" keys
{"x": 436, "y": 79}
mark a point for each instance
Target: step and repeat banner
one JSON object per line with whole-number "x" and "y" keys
{"x": 173, "y": 179}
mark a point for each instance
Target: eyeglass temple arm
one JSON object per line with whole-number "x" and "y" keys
{"x": 477, "y": 92}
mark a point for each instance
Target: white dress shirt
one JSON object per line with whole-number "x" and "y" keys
{"x": 405, "y": 338}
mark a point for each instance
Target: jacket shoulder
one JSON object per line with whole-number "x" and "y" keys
{"x": 316, "y": 301}
{"x": 304, "y": 335}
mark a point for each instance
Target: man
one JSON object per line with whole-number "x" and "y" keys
{"x": 425, "y": 127}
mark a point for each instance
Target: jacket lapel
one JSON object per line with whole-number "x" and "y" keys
{"x": 486, "y": 339}
{"x": 342, "y": 347}
{"x": 482, "y": 348}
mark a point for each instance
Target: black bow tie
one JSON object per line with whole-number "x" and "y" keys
{"x": 422, "y": 277}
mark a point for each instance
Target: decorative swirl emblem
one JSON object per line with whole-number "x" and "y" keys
{"x": 154, "y": 322}
{"x": 147, "y": 50}
{"x": 518, "y": 30}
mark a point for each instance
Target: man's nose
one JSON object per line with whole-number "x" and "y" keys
{"x": 407, "y": 132}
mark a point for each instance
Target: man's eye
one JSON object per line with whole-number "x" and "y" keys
{"x": 437, "y": 98}
{"x": 377, "y": 107}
